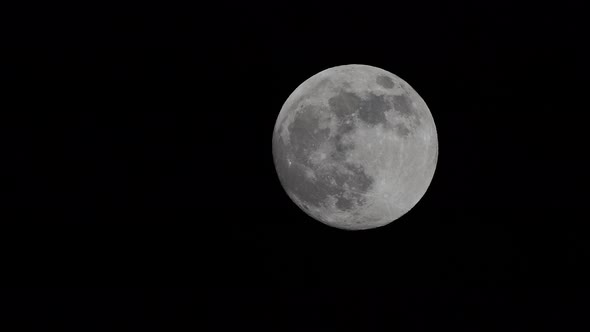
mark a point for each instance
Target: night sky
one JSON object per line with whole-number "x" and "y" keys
{"x": 138, "y": 189}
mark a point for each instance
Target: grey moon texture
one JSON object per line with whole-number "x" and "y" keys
{"x": 355, "y": 147}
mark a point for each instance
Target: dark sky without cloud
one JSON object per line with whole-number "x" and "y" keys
{"x": 136, "y": 150}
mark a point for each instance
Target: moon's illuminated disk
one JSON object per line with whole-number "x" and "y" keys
{"x": 355, "y": 147}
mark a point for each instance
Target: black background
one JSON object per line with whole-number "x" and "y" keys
{"x": 138, "y": 189}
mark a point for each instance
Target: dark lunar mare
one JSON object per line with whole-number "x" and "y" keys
{"x": 385, "y": 81}
{"x": 404, "y": 108}
{"x": 301, "y": 99}
{"x": 372, "y": 111}
{"x": 344, "y": 104}
{"x": 304, "y": 141}
{"x": 305, "y": 138}
{"x": 403, "y": 104}
{"x": 402, "y": 130}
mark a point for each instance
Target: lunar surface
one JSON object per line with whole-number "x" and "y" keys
{"x": 355, "y": 147}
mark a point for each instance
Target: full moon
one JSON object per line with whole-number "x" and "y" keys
{"x": 355, "y": 147}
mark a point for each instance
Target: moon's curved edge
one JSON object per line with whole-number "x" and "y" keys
{"x": 335, "y": 75}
